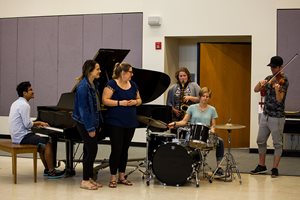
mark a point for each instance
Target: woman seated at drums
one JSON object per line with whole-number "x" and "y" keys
{"x": 203, "y": 113}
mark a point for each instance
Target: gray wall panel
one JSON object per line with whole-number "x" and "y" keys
{"x": 0, "y": 63}
{"x": 45, "y": 61}
{"x": 70, "y": 51}
{"x": 92, "y": 35}
{"x": 50, "y": 51}
{"x": 8, "y": 59}
{"x": 25, "y": 53}
{"x": 112, "y": 31}
{"x": 288, "y": 44}
{"x": 132, "y": 38}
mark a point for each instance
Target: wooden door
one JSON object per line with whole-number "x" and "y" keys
{"x": 225, "y": 69}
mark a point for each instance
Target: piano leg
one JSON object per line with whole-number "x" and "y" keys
{"x": 54, "y": 149}
{"x": 70, "y": 171}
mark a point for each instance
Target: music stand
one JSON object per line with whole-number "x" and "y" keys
{"x": 231, "y": 165}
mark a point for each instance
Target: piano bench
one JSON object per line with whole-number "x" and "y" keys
{"x": 14, "y": 149}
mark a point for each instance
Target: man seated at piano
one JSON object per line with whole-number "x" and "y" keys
{"x": 88, "y": 119}
{"x": 20, "y": 125}
{"x": 121, "y": 96}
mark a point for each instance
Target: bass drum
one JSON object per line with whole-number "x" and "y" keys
{"x": 156, "y": 139}
{"x": 172, "y": 163}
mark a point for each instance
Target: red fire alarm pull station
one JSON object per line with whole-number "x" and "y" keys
{"x": 157, "y": 45}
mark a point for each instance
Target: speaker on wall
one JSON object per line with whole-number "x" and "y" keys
{"x": 154, "y": 21}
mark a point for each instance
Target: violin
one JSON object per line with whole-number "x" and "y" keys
{"x": 278, "y": 78}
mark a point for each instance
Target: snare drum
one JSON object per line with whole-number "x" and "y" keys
{"x": 173, "y": 163}
{"x": 199, "y": 135}
{"x": 183, "y": 132}
{"x": 156, "y": 139}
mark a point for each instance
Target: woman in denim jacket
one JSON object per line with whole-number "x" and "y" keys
{"x": 88, "y": 119}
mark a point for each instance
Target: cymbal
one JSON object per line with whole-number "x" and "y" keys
{"x": 229, "y": 126}
{"x": 151, "y": 122}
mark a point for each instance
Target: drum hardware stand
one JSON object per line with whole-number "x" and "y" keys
{"x": 145, "y": 163}
{"x": 231, "y": 165}
{"x": 105, "y": 163}
{"x": 148, "y": 173}
{"x": 204, "y": 152}
{"x": 202, "y": 164}
{"x": 138, "y": 167}
{"x": 195, "y": 173}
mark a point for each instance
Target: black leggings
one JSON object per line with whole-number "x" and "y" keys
{"x": 120, "y": 139}
{"x": 90, "y": 148}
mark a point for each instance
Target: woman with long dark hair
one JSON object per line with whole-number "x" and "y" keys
{"x": 88, "y": 119}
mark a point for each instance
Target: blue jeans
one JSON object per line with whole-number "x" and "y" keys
{"x": 219, "y": 149}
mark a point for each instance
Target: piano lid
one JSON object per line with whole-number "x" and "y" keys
{"x": 151, "y": 84}
{"x": 107, "y": 58}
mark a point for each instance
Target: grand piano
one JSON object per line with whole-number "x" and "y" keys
{"x": 62, "y": 127}
{"x": 291, "y": 134}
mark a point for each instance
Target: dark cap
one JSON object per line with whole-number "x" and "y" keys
{"x": 275, "y": 61}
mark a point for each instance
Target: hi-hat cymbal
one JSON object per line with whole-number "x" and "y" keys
{"x": 229, "y": 126}
{"x": 151, "y": 122}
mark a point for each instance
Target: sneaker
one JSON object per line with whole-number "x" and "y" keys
{"x": 219, "y": 173}
{"x": 274, "y": 172}
{"x": 55, "y": 174}
{"x": 259, "y": 170}
{"x": 46, "y": 172}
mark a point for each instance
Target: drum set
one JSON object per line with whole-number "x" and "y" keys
{"x": 175, "y": 159}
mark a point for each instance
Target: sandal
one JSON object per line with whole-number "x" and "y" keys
{"x": 112, "y": 184}
{"x": 98, "y": 185}
{"x": 125, "y": 182}
{"x": 88, "y": 185}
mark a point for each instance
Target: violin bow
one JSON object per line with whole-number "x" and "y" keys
{"x": 292, "y": 59}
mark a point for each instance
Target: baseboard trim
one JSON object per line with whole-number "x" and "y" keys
{"x": 2, "y": 136}
{"x": 285, "y": 152}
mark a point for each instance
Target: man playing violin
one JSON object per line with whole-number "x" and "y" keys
{"x": 272, "y": 119}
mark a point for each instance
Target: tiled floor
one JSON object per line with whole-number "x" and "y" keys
{"x": 252, "y": 187}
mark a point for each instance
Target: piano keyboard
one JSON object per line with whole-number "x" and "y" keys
{"x": 292, "y": 119}
{"x": 54, "y": 129}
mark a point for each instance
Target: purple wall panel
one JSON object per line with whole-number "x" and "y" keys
{"x": 8, "y": 64}
{"x": 25, "y": 53}
{"x": 70, "y": 51}
{"x": 0, "y": 63}
{"x": 288, "y": 44}
{"x": 112, "y": 31}
{"x": 92, "y": 35}
{"x": 50, "y": 51}
{"x": 45, "y": 61}
{"x": 132, "y": 38}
